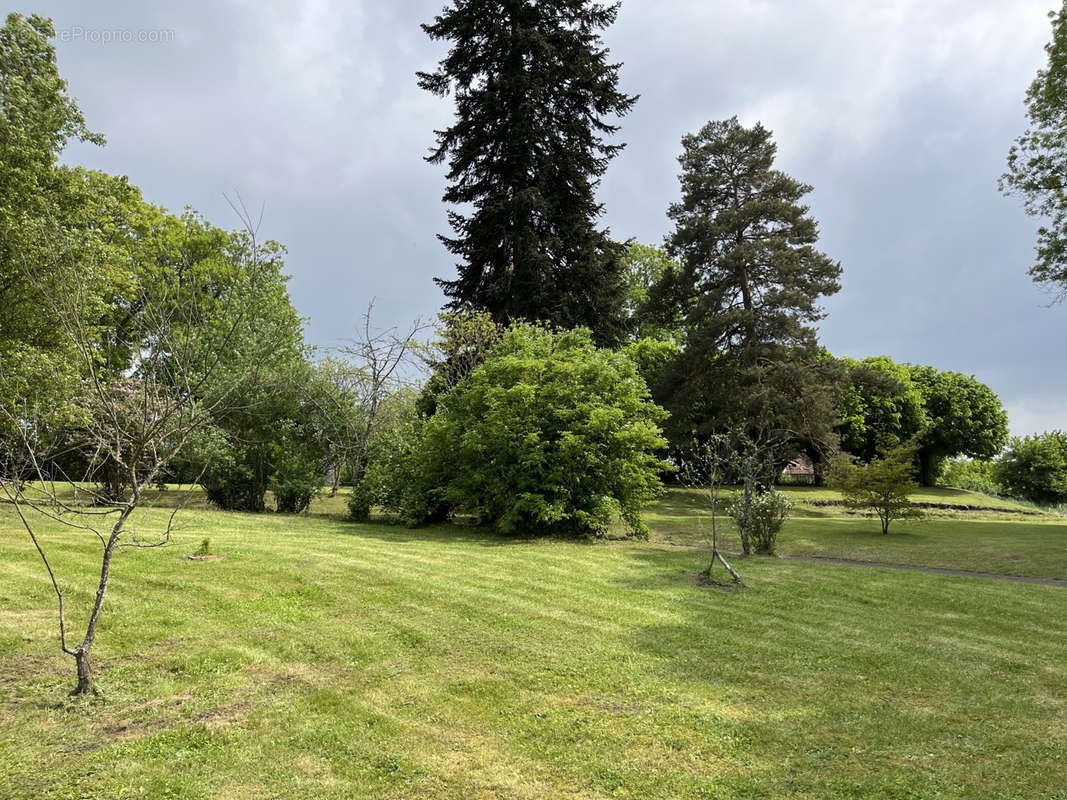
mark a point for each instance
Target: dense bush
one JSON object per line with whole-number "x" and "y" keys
{"x": 1035, "y": 468}
{"x": 298, "y": 469}
{"x": 269, "y": 445}
{"x": 549, "y": 434}
{"x": 396, "y": 478}
{"x": 763, "y": 514}
{"x": 970, "y": 474}
{"x": 230, "y": 481}
{"x": 652, "y": 357}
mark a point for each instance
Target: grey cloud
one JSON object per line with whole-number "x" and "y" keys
{"x": 899, "y": 113}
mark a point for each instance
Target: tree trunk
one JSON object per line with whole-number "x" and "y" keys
{"x": 746, "y": 541}
{"x": 926, "y": 468}
{"x": 818, "y": 466}
{"x": 81, "y": 653}
{"x": 335, "y": 479}
{"x": 717, "y": 556}
{"x": 85, "y": 673}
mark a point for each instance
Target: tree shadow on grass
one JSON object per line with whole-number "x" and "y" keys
{"x": 810, "y": 512}
{"x": 449, "y": 532}
{"x": 676, "y": 569}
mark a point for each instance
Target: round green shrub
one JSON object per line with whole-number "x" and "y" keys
{"x": 1035, "y": 468}
{"x": 549, "y": 435}
{"x": 766, "y": 513}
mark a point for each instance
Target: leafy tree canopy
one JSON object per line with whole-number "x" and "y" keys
{"x": 882, "y": 486}
{"x": 879, "y": 407}
{"x": 1035, "y": 468}
{"x": 48, "y": 215}
{"x": 653, "y": 357}
{"x": 963, "y": 417}
{"x": 643, "y": 266}
{"x": 1037, "y": 162}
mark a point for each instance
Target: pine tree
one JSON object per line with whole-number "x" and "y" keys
{"x": 533, "y": 90}
{"x": 750, "y": 274}
{"x": 745, "y": 292}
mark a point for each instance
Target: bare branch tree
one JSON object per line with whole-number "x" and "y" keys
{"x": 377, "y": 365}
{"x": 707, "y": 466}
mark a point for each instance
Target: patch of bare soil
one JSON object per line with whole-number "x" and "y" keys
{"x": 704, "y": 579}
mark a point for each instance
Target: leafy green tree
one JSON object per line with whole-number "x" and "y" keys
{"x": 269, "y": 433}
{"x": 534, "y": 89}
{"x": 37, "y": 119}
{"x": 157, "y": 379}
{"x": 549, "y": 434}
{"x": 972, "y": 475}
{"x": 882, "y": 486}
{"x": 1035, "y": 468}
{"x": 963, "y": 417}
{"x": 1037, "y": 162}
{"x": 879, "y": 407}
{"x": 298, "y": 461}
{"x": 653, "y": 357}
{"x": 266, "y": 443}
{"x": 643, "y": 266}
{"x": 745, "y": 292}
{"x": 108, "y": 255}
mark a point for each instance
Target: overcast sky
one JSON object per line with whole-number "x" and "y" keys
{"x": 898, "y": 112}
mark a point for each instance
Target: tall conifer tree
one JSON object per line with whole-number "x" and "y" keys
{"x": 534, "y": 93}
{"x": 745, "y": 292}
{"x": 749, "y": 276}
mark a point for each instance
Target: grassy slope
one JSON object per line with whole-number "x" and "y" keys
{"x": 927, "y": 494}
{"x": 1011, "y": 544}
{"x": 322, "y": 659}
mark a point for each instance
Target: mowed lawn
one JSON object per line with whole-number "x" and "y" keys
{"x": 323, "y": 659}
{"x": 1028, "y": 544}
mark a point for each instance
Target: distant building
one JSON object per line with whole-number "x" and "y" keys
{"x": 799, "y": 470}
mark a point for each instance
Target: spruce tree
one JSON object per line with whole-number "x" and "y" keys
{"x": 534, "y": 93}
{"x": 745, "y": 292}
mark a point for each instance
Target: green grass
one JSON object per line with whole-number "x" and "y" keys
{"x": 1012, "y": 544}
{"x": 323, "y": 659}
{"x": 926, "y": 494}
